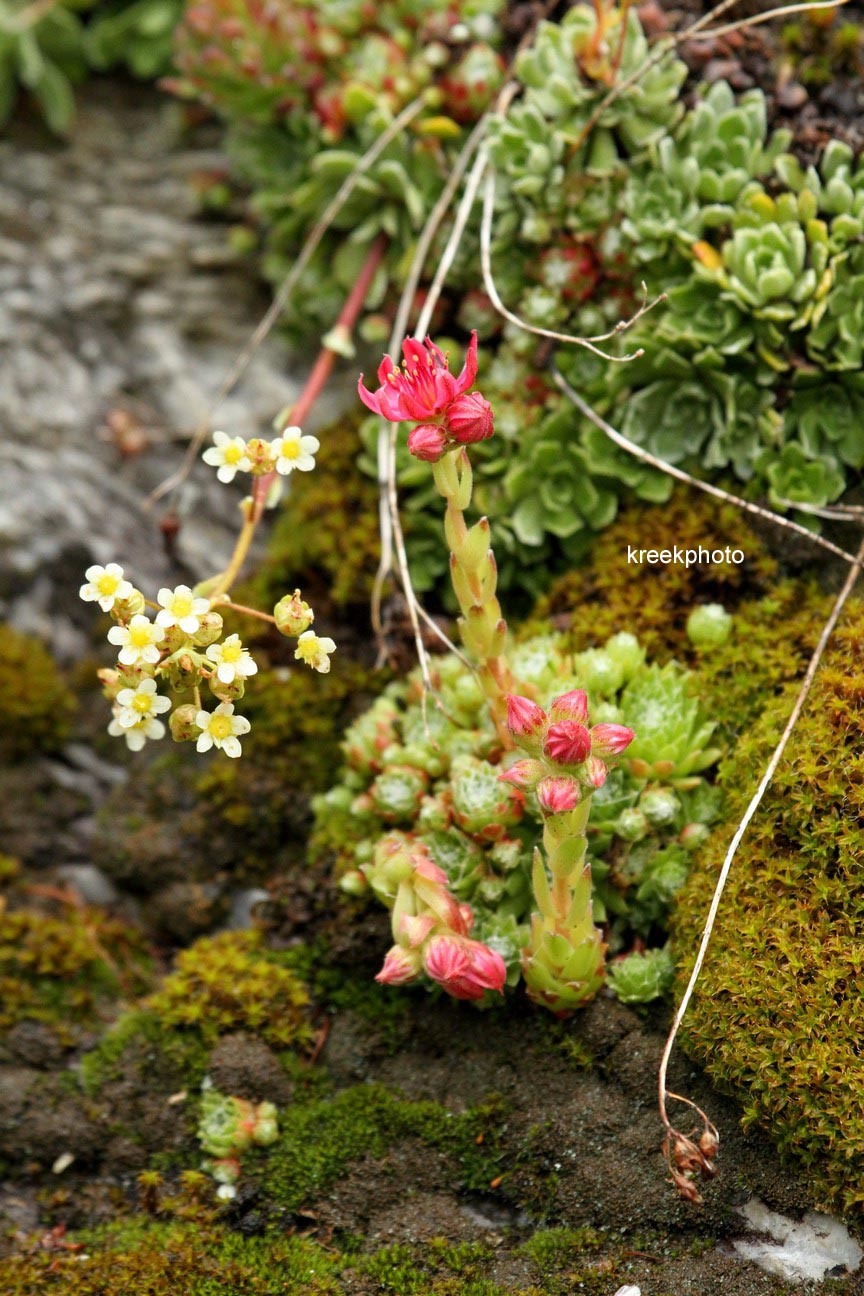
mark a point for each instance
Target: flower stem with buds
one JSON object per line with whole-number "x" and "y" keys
{"x": 474, "y": 575}
{"x": 563, "y": 963}
{"x": 564, "y": 960}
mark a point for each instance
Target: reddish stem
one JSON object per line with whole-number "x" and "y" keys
{"x": 323, "y": 366}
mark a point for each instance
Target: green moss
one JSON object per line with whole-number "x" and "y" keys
{"x": 200, "y": 1257}
{"x": 777, "y": 1018}
{"x": 35, "y": 704}
{"x": 162, "y": 1259}
{"x": 61, "y": 971}
{"x": 319, "y": 1140}
{"x": 562, "y": 1258}
{"x": 232, "y": 982}
{"x": 138, "y": 1045}
{"x": 772, "y": 641}
{"x": 326, "y": 536}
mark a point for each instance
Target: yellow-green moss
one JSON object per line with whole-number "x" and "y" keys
{"x": 60, "y": 970}
{"x": 200, "y": 1257}
{"x": 220, "y": 984}
{"x": 778, "y": 1017}
{"x": 232, "y": 982}
{"x": 326, "y": 535}
{"x": 35, "y": 704}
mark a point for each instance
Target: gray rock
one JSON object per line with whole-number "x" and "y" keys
{"x": 90, "y": 882}
{"x": 243, "y": 905}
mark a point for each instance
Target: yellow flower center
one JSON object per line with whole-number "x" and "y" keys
{"x": 142, "y": 703}
{"x": 232, "y": 453}
{"x": 308, "y": 649}
{"x": 139, "y": 636}
{"x": 221, "y": 727}
{"x": 231, "y": 652}
{"x": 107, "y": 584}
{"x": 290, "y": 449}
{"x": 181, "y": 606}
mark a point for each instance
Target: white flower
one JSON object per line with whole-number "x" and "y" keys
{"x": 180, "y": 607}
{"x": 228, "y": 455}
{"x": 294, "y": 450}
{"x": 315, "y": 651}
{"x": 105, "y": 585}
{"x": 135, "y": 713}
{"x": 232, "y": 660}
{"x": 137, "y": 641}
{"x": 135, "y": 705}
{"x": 222, "y": 728}
{"x": 226, "y": 1192}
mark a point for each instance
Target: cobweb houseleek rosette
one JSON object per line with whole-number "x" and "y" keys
{"x": 448, "y": 418}
{"x": 563, "y": 964}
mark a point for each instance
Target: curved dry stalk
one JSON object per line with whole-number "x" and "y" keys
{"x": 755, "y": 19}
{"x": 495, "y": 298}
{"x": 801, "y": 698}
{"x": 683, "y": 1154}
{"x": 680, "y": 475}
{"x": 445, "y": 638}
{"x": 833, "y": 513}
{"x": 286, "y": 288}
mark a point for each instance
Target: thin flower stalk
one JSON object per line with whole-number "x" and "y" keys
{"x": 474, "y": 576}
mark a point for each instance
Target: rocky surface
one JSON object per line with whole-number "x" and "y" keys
{"x": 121, "y": 310}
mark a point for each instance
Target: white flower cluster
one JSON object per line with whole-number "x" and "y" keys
{"x": 180, "y": 646}
{"x": 290, "y": 451}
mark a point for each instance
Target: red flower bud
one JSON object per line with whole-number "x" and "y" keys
{"x": 525, "y": 718}
{"x": 596, "y": 771}
{"x": 427, "y": 441}
{"x": 610, "y": 739}
{"x": 400, "y": 965}
{"x": 567, "y": 743}
{"x": 465, "y": 968}
{"x": 522, "y": 773}
{"x": 556, "y": 795}
{"x": 469, "y": 418}
{"x": 570, "y": 706}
